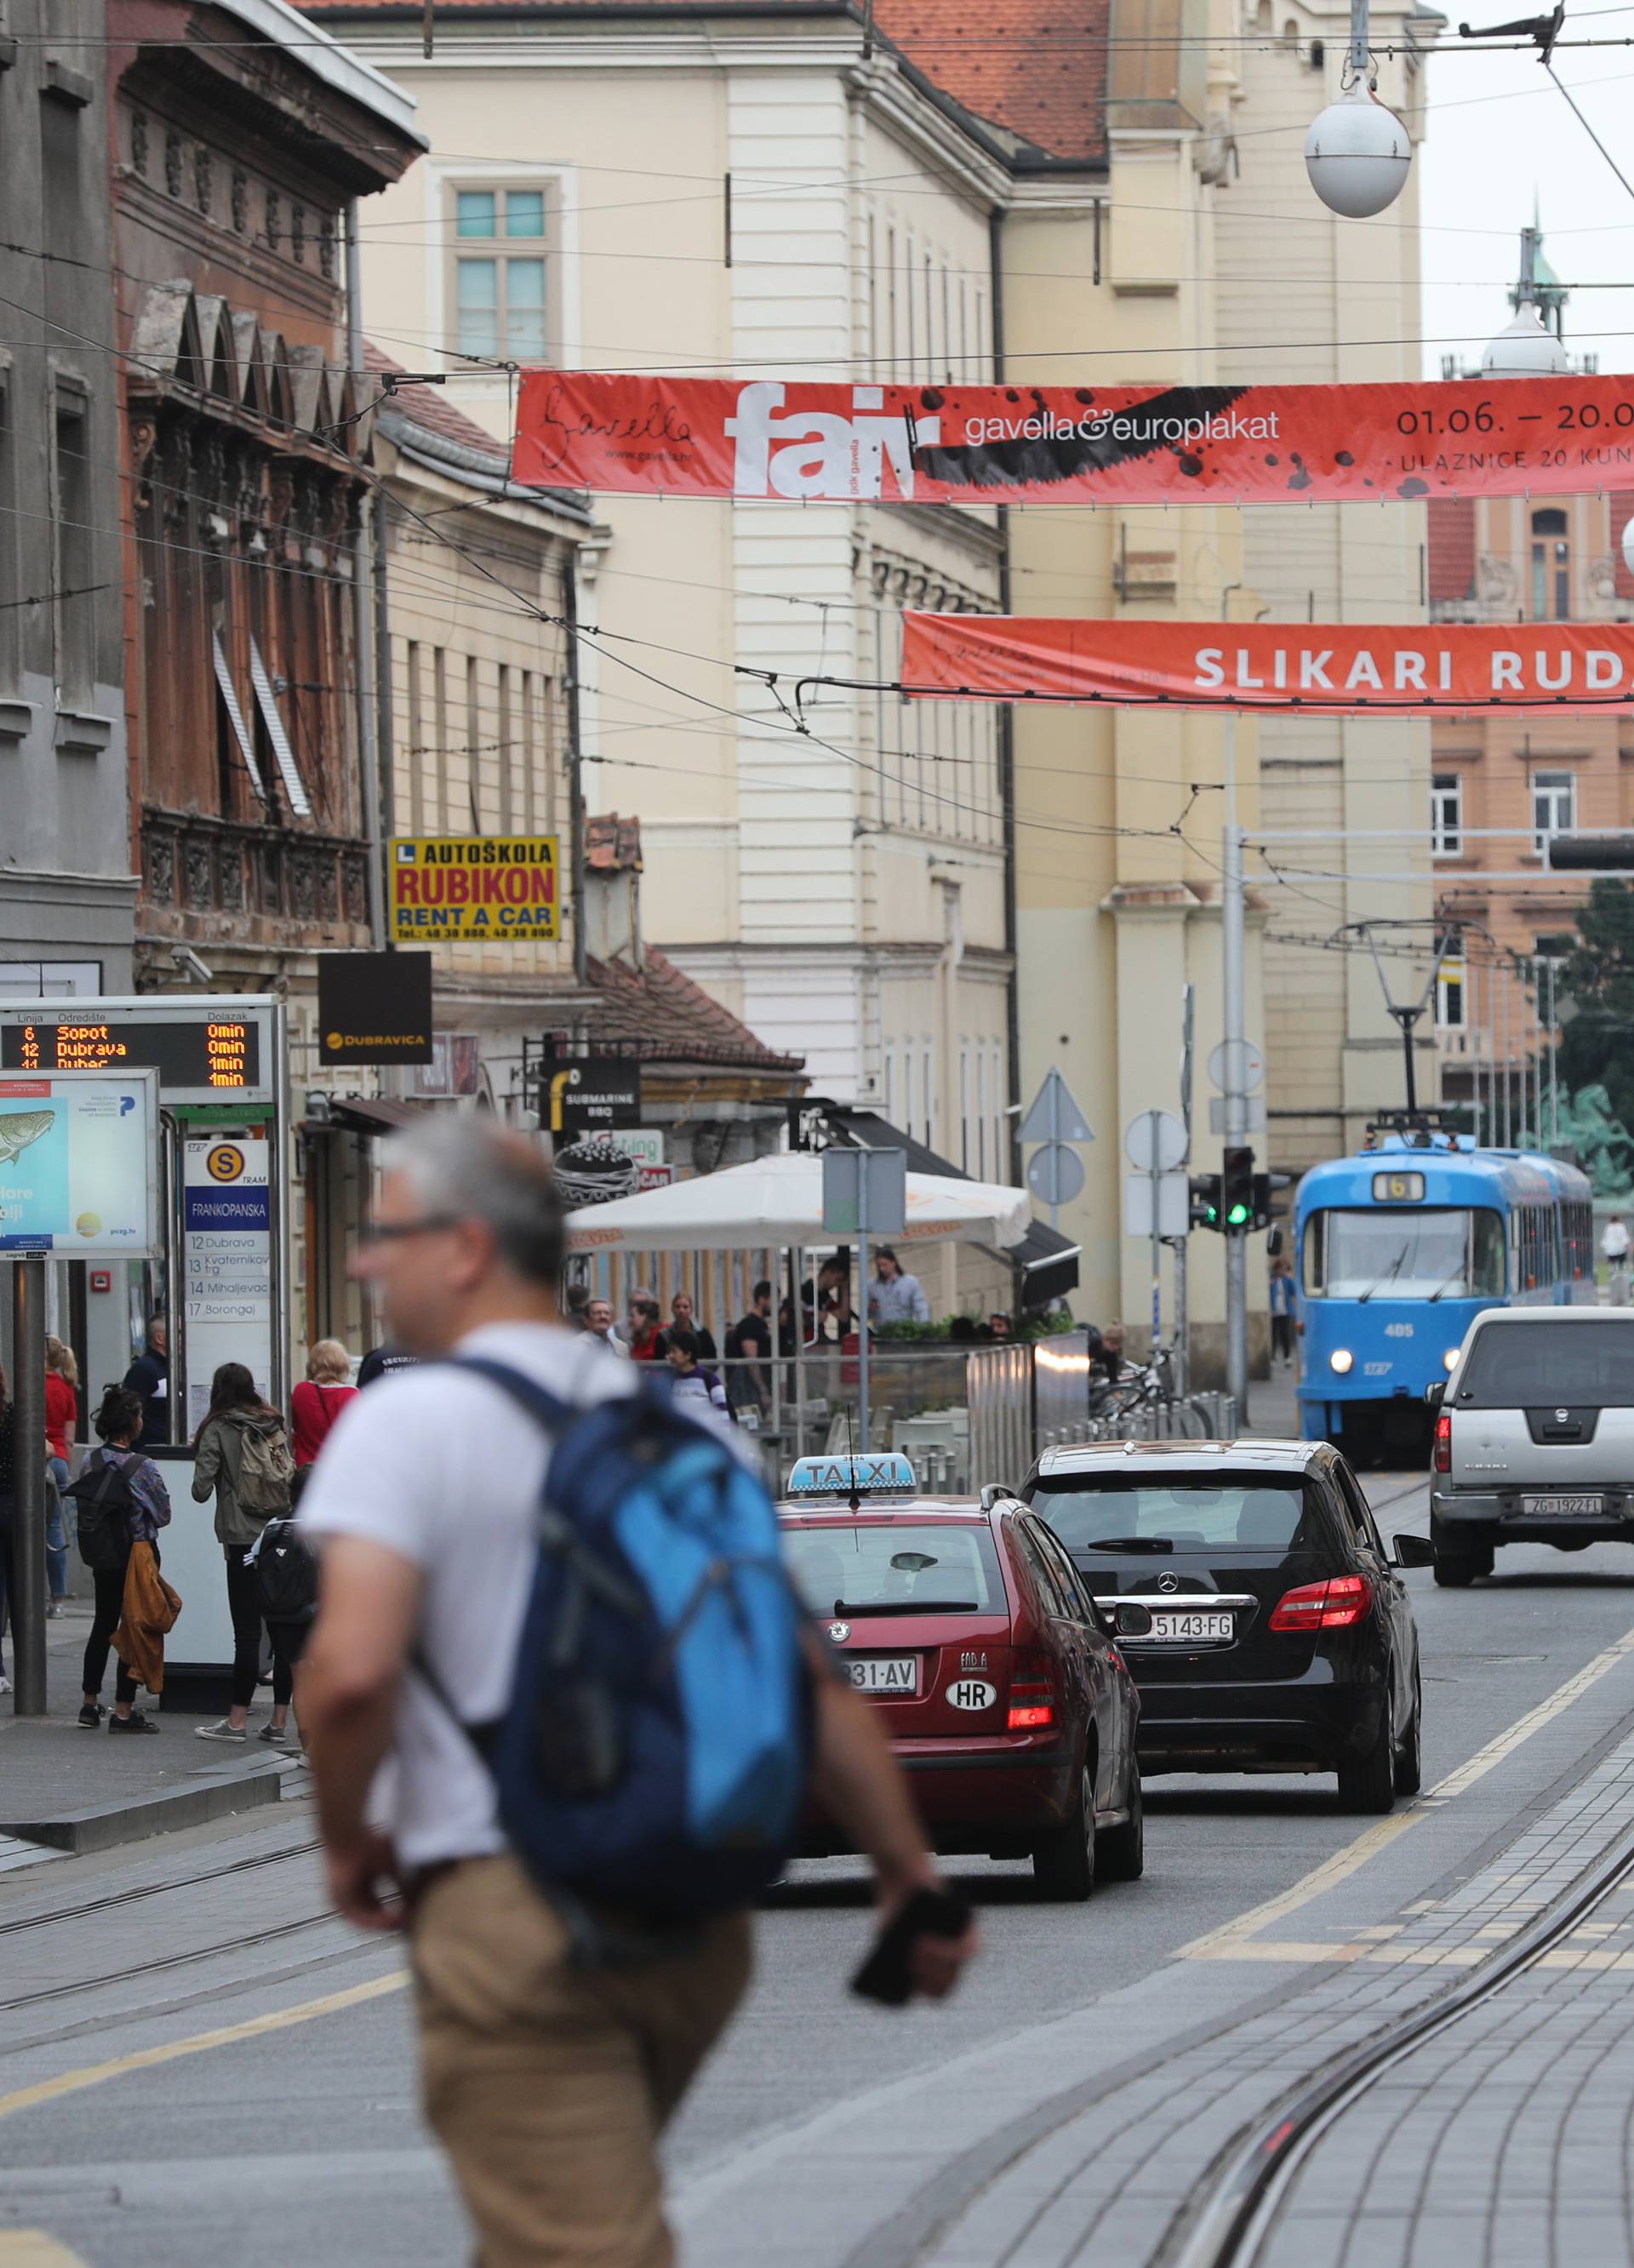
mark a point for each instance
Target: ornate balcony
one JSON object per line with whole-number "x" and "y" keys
{"x": 264, "y": 886}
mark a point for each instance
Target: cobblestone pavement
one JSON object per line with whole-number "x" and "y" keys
{"x": 1105, "y": 2182}
{"x": 1505, "y": 2142}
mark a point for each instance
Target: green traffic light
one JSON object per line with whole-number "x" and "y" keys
{"x": 1239, "y": 1216}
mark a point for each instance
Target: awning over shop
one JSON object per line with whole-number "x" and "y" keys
{"x": 778, "y": 1201}
{"x": 361, "y": 1114}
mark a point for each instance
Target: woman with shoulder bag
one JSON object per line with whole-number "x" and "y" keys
{"x": 320, "y": 1397}
{"x": 122, "y": 1500}
{"x": 241, "y": 1455}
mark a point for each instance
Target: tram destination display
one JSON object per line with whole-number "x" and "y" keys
{"x": 209, "y": 1056}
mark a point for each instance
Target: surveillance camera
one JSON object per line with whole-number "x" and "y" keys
{"x": 185, "y": 957}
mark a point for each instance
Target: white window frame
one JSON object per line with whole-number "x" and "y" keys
{"x": 559, "y": 180}
{"x": 1446, "y": 815}
{"x": 289, "y": 770}
{"x": 1561, "y": 787}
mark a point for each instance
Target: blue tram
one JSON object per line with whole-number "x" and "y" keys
{"x": 1398, "y": 1248}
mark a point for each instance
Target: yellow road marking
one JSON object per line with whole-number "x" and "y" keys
{"x": 95, "y": 2074}
{"x": 31, "y": 2247}
{"x": 1230, "y": 1941}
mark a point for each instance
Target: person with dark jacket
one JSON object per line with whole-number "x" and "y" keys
{"x": 148, "y": 1378}
{"x": 237, "y": 1423}
{"x": 8, "y": 1508}
{"x": 118, "y": 1426}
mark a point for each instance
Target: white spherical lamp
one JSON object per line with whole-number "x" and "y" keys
{"x": 1358, "y": 154}
{"x": 1524, "y": 348}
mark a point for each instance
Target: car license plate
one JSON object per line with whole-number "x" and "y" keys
{"x": 1185, "y": 1629}
{"x": 1563, "y": 1508}
{"x": 881, "y": 1673}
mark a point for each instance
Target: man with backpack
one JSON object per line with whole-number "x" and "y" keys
{"x": 590, "y": 1779}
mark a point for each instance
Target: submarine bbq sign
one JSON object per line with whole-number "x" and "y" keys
{"x": 1330, "y": 669}
{"x": 1131, "y": 445}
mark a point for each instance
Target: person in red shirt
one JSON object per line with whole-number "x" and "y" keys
{"x": 320, "y": 1398}
{"x": 61, "y": 1425}
{"x": 645, "y": 1317}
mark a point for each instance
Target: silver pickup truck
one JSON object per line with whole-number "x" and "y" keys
{"x": 1533, "y": 1437}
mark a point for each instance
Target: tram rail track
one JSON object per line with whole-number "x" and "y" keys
{"x": 1233, "y": 2210}
{"x": 141, "y": 1890}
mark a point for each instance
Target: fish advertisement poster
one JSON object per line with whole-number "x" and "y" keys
{"x": 79, "y": 1164}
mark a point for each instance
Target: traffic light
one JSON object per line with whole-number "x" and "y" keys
{"x": 1237, "y": 1189}
{"x": 1205, "y": 1200}
{"x": 1267, "y": 1187}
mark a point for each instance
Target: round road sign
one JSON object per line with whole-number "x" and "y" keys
{"x": 1154, "y": 1141}
{"x": 1055, "y": 1173}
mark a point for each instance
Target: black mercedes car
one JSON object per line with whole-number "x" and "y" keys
{"x": 1264, "y": 1619}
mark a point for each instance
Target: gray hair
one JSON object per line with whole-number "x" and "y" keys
{"x": 470, "y": 1166}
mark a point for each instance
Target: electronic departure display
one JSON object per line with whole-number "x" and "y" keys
{"x": 222, "y": 1055}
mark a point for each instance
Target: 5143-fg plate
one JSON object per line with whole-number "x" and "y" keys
{"x": 1170, "y": 1628}
{"x": 883, "y": 1673}
{"x": 1563, "y": 1508}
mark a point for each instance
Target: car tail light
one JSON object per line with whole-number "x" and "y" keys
{"x": 1443, "y": 1442}
{"x": 1333, "y": 1605}
{"x": 1032, "y": 1693}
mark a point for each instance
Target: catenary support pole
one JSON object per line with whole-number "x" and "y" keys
{"x": 1183, "y": 1243}
{"x": 1233, "y": 947}
{"x": 28, "y": 1521}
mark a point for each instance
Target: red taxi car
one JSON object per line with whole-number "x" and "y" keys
{"x": 968, "y": 1625}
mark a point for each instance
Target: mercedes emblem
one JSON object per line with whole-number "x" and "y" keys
{"x": 839, "y": 1632}
{"x": 1168, "y": 1580}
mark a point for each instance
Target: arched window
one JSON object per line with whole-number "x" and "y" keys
{"x": 1551, "y": 567}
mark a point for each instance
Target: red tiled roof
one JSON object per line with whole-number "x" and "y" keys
{"x": 1451, "y": 549}
{"x": 429, "y": 406}
{"x": 671, "y": 1019}
{"x": 1037, "y": 68}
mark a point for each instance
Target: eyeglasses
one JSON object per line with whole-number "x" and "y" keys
{"x": 390, "y": 1232}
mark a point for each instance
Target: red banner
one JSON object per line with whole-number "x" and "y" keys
{"x": 1132, "y": 444}
{"x": 1330, "y": 667}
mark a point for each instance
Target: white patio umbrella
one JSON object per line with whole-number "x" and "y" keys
{"x": 778, "y": 1200}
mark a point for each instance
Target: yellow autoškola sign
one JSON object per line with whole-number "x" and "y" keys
{"x": 485, "y": 887}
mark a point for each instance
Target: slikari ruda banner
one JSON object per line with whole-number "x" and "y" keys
{"x": 1473, "y": 669}
{"x": 1131, "y": 445}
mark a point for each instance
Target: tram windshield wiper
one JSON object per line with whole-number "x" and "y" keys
{"x": 1389, "y": 1277}
{"x": 1445, "y": 1284}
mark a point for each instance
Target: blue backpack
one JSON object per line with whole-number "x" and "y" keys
{"x": 654, "y": 1749}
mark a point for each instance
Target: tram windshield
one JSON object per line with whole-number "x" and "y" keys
{"x": 1430, "y": 1255}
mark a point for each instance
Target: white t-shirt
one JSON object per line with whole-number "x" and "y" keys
{"x": 447, "y": 1469}
{"x": 1614, "y": 1242}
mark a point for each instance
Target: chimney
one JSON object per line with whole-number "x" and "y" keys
{"x": 611, "y": 912}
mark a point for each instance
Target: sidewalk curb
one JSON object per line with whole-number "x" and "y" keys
{"x": 103, "y": 1826}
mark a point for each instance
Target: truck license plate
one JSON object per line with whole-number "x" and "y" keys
{"x": 1563, "y": 1508}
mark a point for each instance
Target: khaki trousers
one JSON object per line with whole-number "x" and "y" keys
{"x": 548, "y": 2086}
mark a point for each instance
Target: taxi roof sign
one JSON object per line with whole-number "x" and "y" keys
{"x": 887, "y": 1472}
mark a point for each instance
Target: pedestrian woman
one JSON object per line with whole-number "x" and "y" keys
{"x": 320, "y": 1398}
{"x": 61, "y": 1425}
{"x": 144, "y": 1502}
{"x": 242, "y": 1455}
{"x": 1282, "y": 1309}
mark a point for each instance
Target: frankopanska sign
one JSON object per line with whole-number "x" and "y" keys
{"x": 591, "y": 1093}
{"x": 374, "y": 1007}
{"x": 1074, "y": 444}
{"x": 475, "y": 887}
{"x": 1330, "y": 669}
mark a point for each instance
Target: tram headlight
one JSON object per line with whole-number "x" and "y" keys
{"x": 1450, "y": 1358}
{"x": 1341, "y": 1360}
